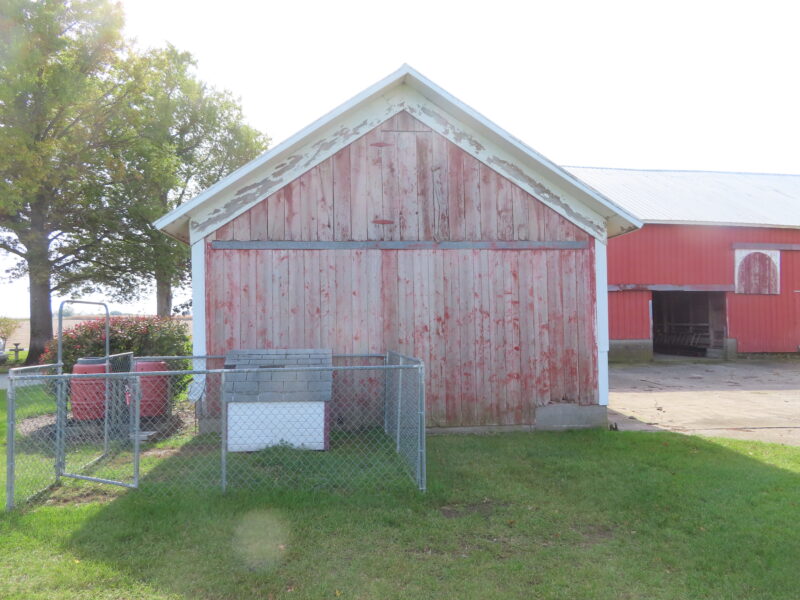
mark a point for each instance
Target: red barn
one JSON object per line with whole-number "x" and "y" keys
{"x": 715, "y": 269}
{"x": 404, "y": 220}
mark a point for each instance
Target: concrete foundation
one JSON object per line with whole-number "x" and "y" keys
{"x": 630, "y": 350}
{"x": 570, "y": 416}
{"x": 730, "y": 349}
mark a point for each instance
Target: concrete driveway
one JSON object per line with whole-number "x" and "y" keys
{"x": 745, "y": 399}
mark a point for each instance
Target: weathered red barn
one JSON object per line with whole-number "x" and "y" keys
{"x": 406, "y": 221}
{"x": 714, "y": 270}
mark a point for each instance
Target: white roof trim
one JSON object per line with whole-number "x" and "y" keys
{"x": 381, "y": 101}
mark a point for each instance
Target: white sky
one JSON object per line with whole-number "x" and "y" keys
{"x": 671, "y": 85}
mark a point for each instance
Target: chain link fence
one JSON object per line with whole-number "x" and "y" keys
{"x": 299, "y": 419}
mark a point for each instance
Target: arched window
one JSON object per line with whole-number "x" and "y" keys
{"x": 758, "y": 272}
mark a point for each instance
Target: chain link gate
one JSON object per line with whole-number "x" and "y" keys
{"x": 187, "y": 428}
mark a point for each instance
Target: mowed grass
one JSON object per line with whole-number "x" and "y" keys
{"x": 590, "y": 514}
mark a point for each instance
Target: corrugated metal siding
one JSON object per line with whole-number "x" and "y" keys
{"x": 694, "y": 255}
{"x": 700, "y": 196}
{"x": 629, "y": 315}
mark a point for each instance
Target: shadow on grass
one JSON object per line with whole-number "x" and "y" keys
{"x": 591, "y": 514}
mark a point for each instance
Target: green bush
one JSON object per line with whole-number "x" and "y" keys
{"x": 144, "y": 336}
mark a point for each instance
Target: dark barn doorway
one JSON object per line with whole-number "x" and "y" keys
{"x": 689, "y": 323}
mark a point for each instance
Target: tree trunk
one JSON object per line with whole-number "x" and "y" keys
{"x": 163, "y": 296}
{"x": 41, "y": 311}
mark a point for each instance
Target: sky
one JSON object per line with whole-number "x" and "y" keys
{"x": 699, "y": 85}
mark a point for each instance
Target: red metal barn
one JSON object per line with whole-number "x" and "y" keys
{"x": 715, "y": 269}
{"x": 405, "y": 221}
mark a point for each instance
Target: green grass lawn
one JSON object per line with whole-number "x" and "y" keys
{"x": 11, "y": 363}
{"x": 590, "y": 514}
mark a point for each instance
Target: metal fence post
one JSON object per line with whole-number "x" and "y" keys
{"x": 136, "y": 405}
{"x": 399, "y": 402}
{"x": 11, "y": 400}
{"x": 421, "y": 474}
{"x": 61, "y": 426}
{"x": 223, "y": 434}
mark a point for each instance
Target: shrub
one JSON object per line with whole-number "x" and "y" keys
{"x": 7, "y": 327}
{"x": 144, "y": 336}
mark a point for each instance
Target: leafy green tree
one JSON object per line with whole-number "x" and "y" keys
{"x": 61, "y": 92}
{"x": 188, "y": 137}
{"x": 96, "y": 141}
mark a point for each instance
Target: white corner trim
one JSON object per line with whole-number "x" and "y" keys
{"x": 601, "y": 287}
{"x": 199, "y": 298}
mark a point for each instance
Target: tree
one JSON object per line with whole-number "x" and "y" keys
{"x": 188, "y": 137}
{"x": 96, "y": 141}
{"x": 7, "y": 328}
{"x": 61, "y": 92}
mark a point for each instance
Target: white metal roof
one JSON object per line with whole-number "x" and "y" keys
{"x": 699, "y": 197}
{"x": 405, "y": 89}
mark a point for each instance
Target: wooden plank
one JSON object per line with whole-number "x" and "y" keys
{"x": 484, "y": 387}
{"x": 436, "y": 369}
{"x": 405, "y": 304}
{"x": 455, "y": 192}
{"x": 425, "y": 204}
{"x": 291, "y": 198}
{"x": 452, "y": 315}
{"x": 347, "y": 226}
{"x": 527, "y": 336}
{"x": 398, "y": 245}
{"x": 390, "y": 186}
{"x": 310, "y": 189}
{"x": 230, "y": 306}
{"x": 513, "y": 363}
{"x": 258, "y": 221}
{"x": 296, "y": 297}
{"x": 403, "y": 121}
{"x": 215, "y": 302}
{"x": 241, "y": 227}
{"x": 225, "y": 232}
{"x": 358, "y": 304}
{"x": 535, "y": 218}
{"x": 555, "y": 320}
{"x": 263, "y": 299}
{"x": 570, "y": 309}
{"x": 519, "y": 203}
{"x": 505, "y": 209}
{"x": 498, "y": 312}
{"x": 586, "y": 340}
{"x": 421, "y": 306}
{"x": 468, "y": 361}
{"x": 408, "y": 209}
{"x": 280, "y": 298}
{"x": 344, "y": 309}
{"x": 276, "y": 213}
{"x": 488, "y": 203}
{"x": 472, "y": 197}
{"x": 312, "y": 299}
{"x": 374, "y": 204}
{"x": 439, "y": 182}
{"x": 390, "y": 292}
{"x": 541, "y": 327}
{"x": 325, "y": 201}
{"x": 374, "y": 315}
{"x": 247, "y": 294}
{"x": 327, "y": 295}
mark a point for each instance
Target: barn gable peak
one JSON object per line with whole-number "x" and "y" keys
{"x": 404, "y": 90}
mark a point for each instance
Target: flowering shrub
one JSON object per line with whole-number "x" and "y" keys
{"x": 144, "y": 336}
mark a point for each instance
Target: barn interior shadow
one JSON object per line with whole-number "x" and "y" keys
{"x": 181, "y": 542}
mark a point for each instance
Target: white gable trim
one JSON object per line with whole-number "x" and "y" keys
{"x": 403, "y": 90}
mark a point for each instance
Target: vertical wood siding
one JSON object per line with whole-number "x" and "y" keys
{"x": 629, "y": 315}
{"x": 500, "y": 331}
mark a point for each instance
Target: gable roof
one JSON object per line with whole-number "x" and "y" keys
{"x": 405, "y": 89}
{"x": 700, "y": 197}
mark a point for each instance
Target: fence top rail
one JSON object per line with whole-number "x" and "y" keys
{"x": 137, "y": 374}
{"x": 222, "y": 356}
{"x": 15, "y": 372}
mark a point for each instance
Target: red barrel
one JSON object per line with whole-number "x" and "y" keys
{"x": 88, "y": 395}
{"x": 155, "y": 392}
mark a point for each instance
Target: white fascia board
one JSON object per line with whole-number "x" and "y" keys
{"x": 601, "y": 307}
{"x": 721, "y": 224}
{"x": 597, "y": 201}
{"x": 179, "y": 217}
{"x": 403, "y": 90}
